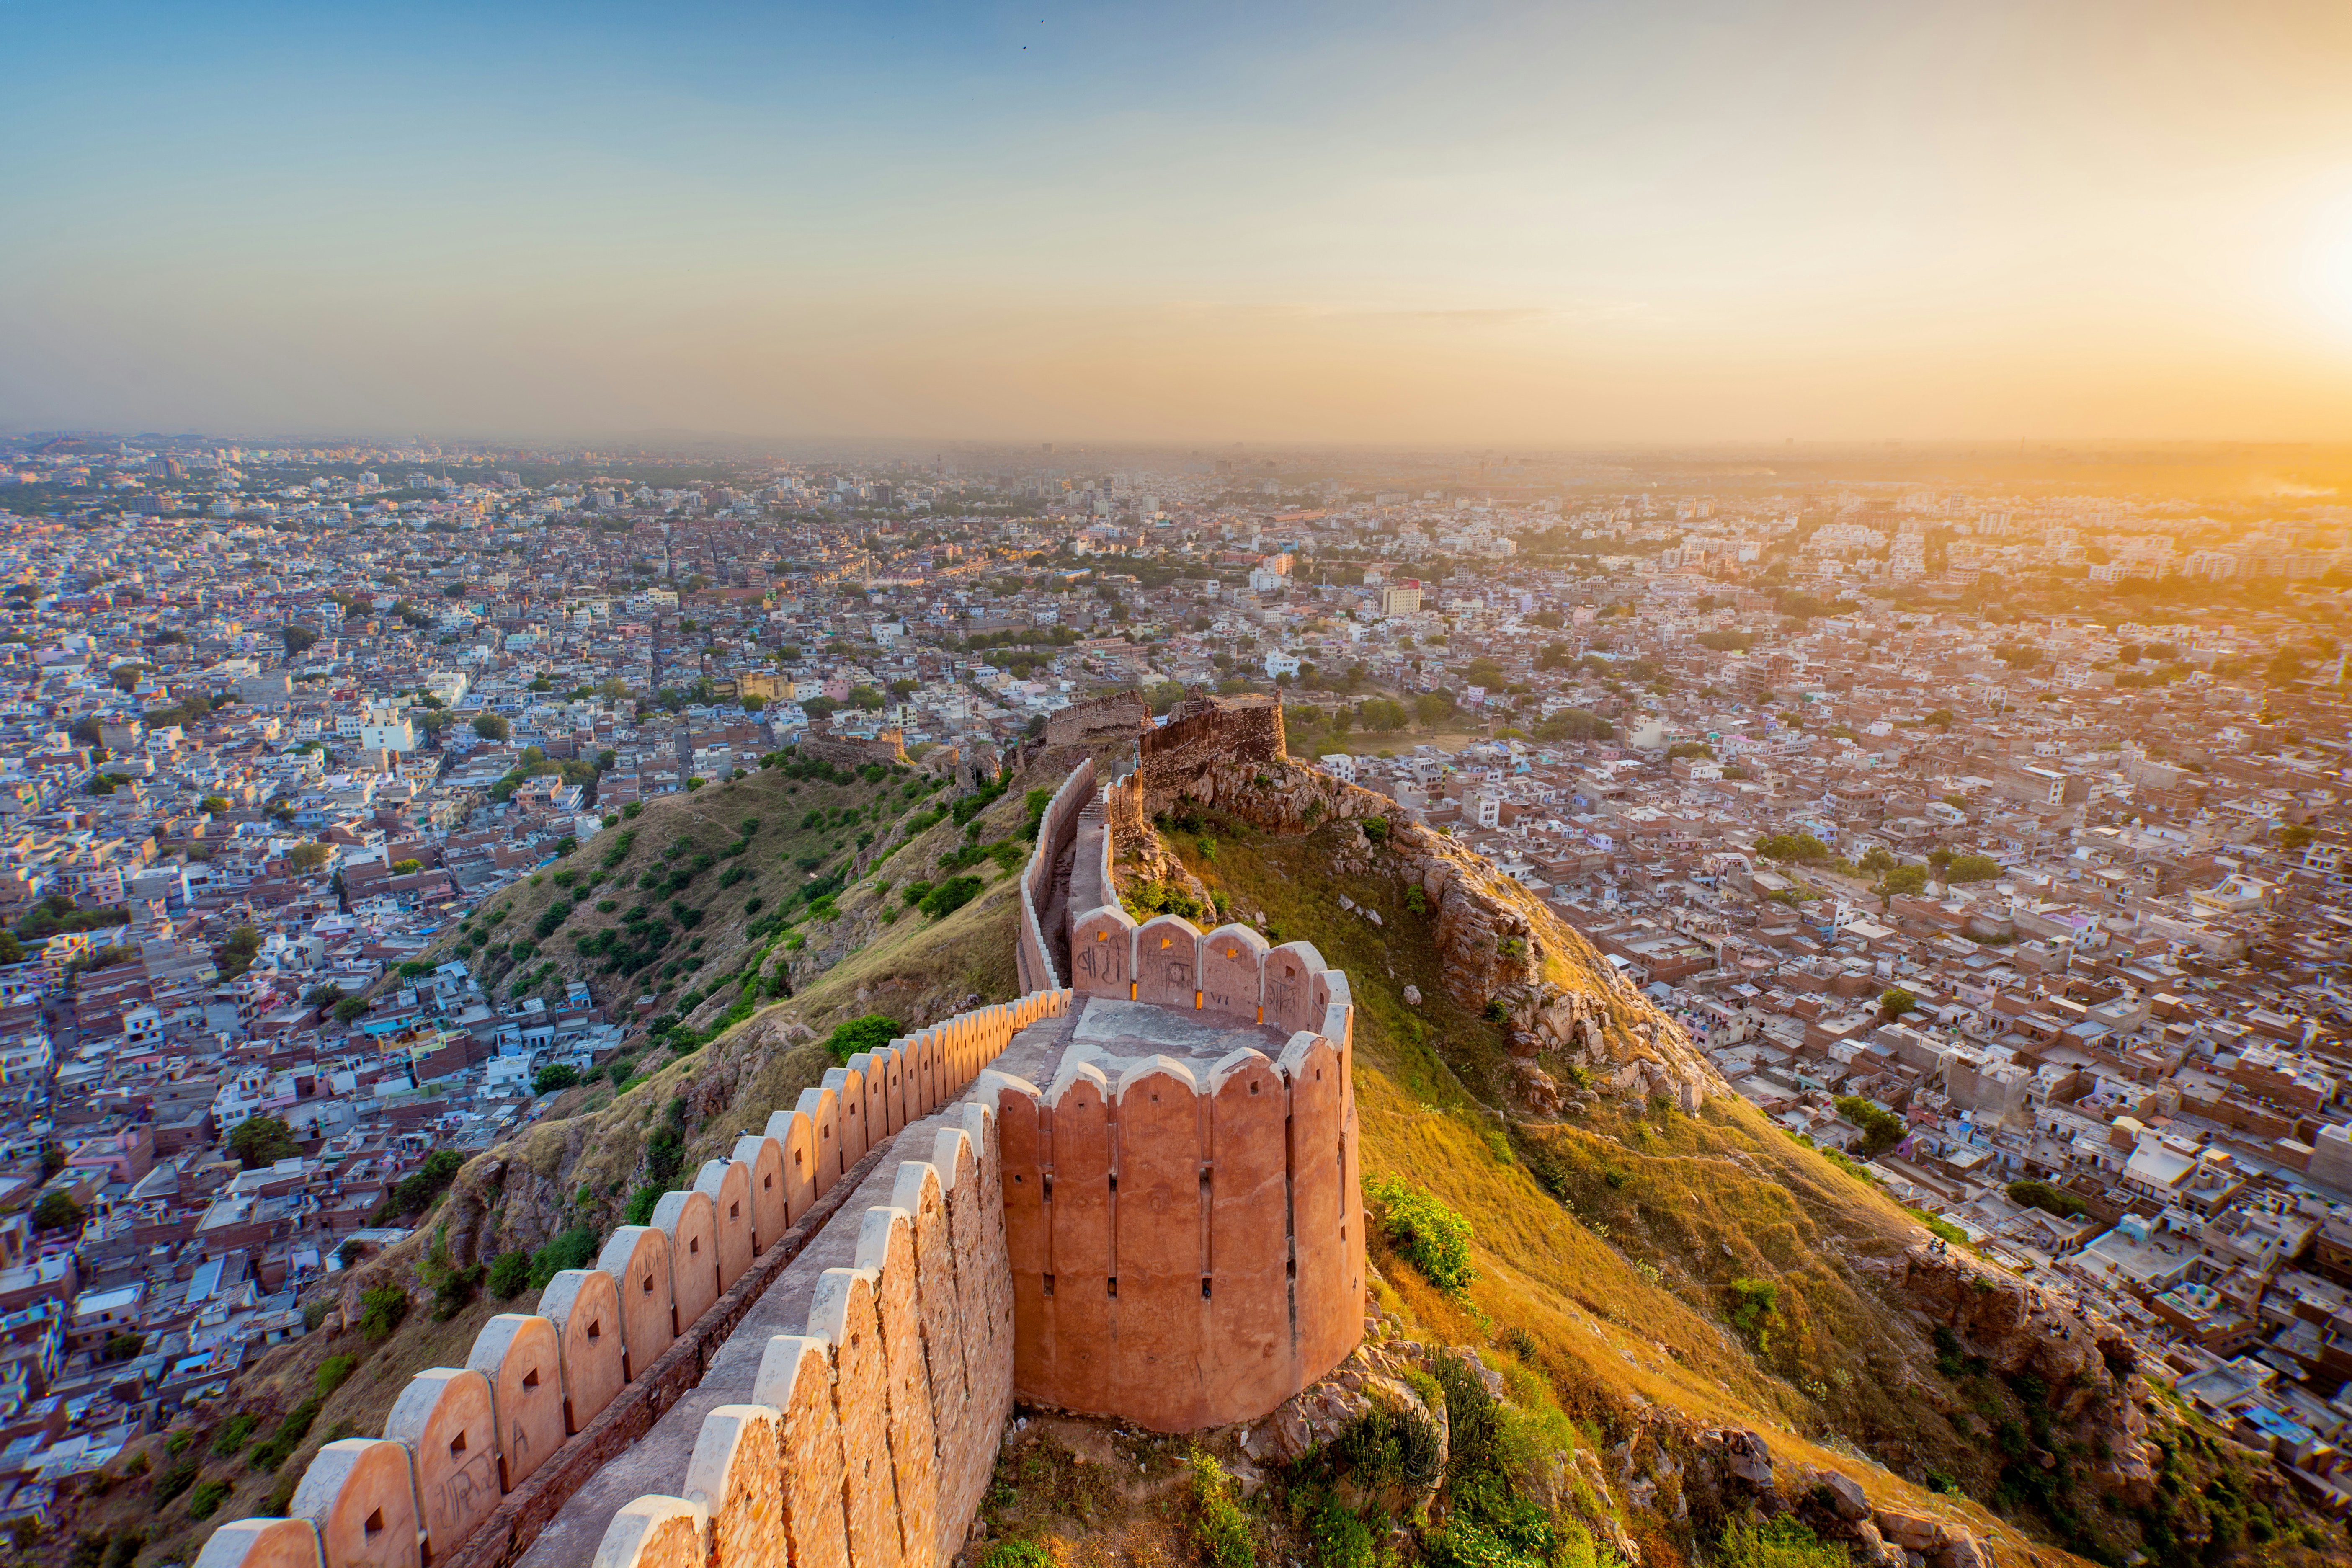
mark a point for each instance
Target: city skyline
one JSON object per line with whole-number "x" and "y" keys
{"x": 1509, "y": 226}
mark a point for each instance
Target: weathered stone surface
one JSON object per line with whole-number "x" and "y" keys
{"x": 638, "y": 1258}
{"x": 795, "y": 1378}
{"x": 2088, "y": 1365}
{"x": 360, "y": 1495}
{"x": 1538, "y": 1088}
{"x": 522, "y": 1360}
{"x": 886, "y": 1245}
{"x": 736, "y": 1477}
{"x": 1912, "y": 1531}
{"x": 843, "y": 1314}
{"x": 1846, "y": 1496}
{"x": 654, "y": 1533}
{"x": 584, "y": 1305}
{"x": 262, "y": 1543}
{"x": 1746, "y": 1457}
{"x": 444, "y": 1418}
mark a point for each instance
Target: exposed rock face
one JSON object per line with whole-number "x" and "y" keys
{"x": 1498, "y": 944}
{"x": 2089, "y": 1367}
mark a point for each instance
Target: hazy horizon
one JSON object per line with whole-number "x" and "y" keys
{"x": 1558, "y": 228}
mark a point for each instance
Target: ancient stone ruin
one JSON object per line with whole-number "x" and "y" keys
{"x": 810, "y": 1357}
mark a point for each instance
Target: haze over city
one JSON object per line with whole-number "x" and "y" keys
{"x": 1522, "y": 224}
{"x": 1210, "y": 786}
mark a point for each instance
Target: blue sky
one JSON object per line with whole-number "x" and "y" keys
{"x": 1555, "y": 222}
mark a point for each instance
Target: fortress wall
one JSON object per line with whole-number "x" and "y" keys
{"x": 1187, "y": 1251}
{"x": 1054, "y": 832}
{"x": 1183, "y": 1252}
{"x": 475, "y": 1461}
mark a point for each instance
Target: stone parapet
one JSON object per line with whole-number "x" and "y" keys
{"x": 473, "y": 1460}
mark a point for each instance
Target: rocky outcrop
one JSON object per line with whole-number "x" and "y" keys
{"x": 1500, "y": 946}
{"x": 2089, "y": 1367}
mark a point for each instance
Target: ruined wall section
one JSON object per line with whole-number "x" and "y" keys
{"x": 1205, "y": 731}
{"x": 547, "y": 1399}
{"x": 888, "y": 747}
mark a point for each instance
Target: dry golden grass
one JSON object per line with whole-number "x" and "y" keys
{"x": 1620, "y": 1291}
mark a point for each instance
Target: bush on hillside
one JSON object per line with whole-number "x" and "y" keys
{"x": 870, "y": 1033}
{"x": 1219, "y": 1529}
{"x": 1424, "y": 1232}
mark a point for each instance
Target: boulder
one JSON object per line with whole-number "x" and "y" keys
{"x": 1412, "y": 995}
{"x": 1960, "y": 1550}
{"x": 1538, "y": 1088}
{"x": 1911, "y": 1531}
{"x": 1746, "y": 1457}
{"x": 1872, "y": 1549}
{"x": 1846, "y": 1495}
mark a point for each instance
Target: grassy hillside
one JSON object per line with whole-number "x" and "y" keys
{"x": 1639, "y": 1273}
{"x": 1640, "y": 1261}
{"x": 565, "y": 1182}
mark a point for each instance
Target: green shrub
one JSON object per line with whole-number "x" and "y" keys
{"x": 289, "y": 1436}
{"x": 206, "y": 1501}
{"x": 950, "y": 896}
{"x": 509, "y": 1272}
{"x": 1341, "y": 1540}
{"x": 1881, "y": 1129}
{"x": 334, "y": 1371}
{"x": 1781, "y": 1543}
{"x": 641, "y": 1205}
{"x": 1016, "y": 1554}
{"x": 573, "y": 1248}
{"x": 1424, "y": 1233}
{"x": 1219, "y": 1528}
{"x": 230, "y": 1439}
{"x": 1390, "y": 1446}
{"x": 1755, "y": 1305}
{"x": 869, "y": 1033}
{"x": 382, "y": 1309}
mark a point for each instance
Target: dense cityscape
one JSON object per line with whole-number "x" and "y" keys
{"x": 1993, "y": 840}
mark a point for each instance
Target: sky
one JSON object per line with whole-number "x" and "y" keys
{"x": 1519, "y": 225}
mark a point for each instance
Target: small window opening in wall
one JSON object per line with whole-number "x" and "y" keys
{"x": 457, "y": 1444}
{"x": 1204, "y": 1286}
{"x": 734, "y": 1211}
{"x": 693, "y": 1245}
{"x": 1253, "y": 1085}
{"x": 767, "y": 1182}
{"x": 374, "y": 1526}
{"x": 530, "y": 1379}
{"x": 595, "y": 1330}
{"x": 1114, "y": 1180}
{"x": 1049, "y": 1284}
{"x": 1114, "y": 1287}
{"x": 649, "y": 1284}
{"x": 796, "y": 1159}
{"x": 1048, "y": 1184}
{"x": 1290, "y": 1266}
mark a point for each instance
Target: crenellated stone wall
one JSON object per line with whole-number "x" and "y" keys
{"x": 547, "y": 1399}
{"x": 1170, "y": 1233}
